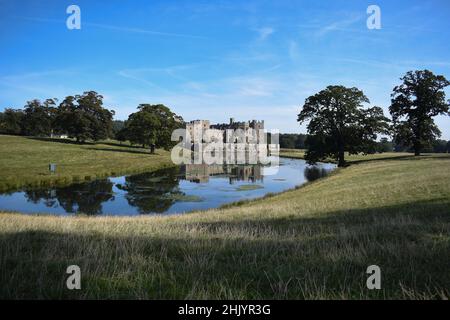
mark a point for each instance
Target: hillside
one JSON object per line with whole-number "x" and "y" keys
{"x": 24, "y": 161}
{"x": 312, "y": 242}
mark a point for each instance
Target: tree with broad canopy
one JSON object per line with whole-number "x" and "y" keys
{"x": 338, "y": 123}
{"x": 414, "y": 103}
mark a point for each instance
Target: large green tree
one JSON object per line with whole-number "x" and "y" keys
{"x": 83, "y": 117}
{"x": 39, "y": 117}
{"x": 11, "y": 121}
{"x": 152, "y": 126}
{"x": 338, "y": 123}
{"x": 414, "y": 103}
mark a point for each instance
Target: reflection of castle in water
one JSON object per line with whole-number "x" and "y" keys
{"x": 200, "y": 173}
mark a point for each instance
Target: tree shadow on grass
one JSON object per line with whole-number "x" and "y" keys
{"x": 443, "y": 156}
{"x": 115, "y": 144}
{"x": 125, "y": 148}
{"x": 280, "y": 258}
{"x": 60, "y": 140}
{"x": 147, "y": 152}
{"x": 408, "y": 157}
{"x": 71, "y": 141}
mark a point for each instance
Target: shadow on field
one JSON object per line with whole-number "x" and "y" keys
{"x": 144, "y": 151}
{"x": 60, "y": 140}
{"x": 406, "y": 157}
{"x": 294, "y": 257}
{"x": 70, "y": 141}
{"x": 115, "y": 144}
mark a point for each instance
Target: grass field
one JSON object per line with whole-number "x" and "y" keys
{"x": 354, "y": 158}
{"x": 315, "y": 242}
{"x": 24, "y": 161}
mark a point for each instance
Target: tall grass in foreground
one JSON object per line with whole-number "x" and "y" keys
{"x": 313, "y": 243}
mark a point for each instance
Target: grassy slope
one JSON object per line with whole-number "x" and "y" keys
{"x": 24, "y": 161}
{"x": 300, "y": 154}
{"x": 313, "y": 242}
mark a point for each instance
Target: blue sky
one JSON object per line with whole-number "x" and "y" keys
{"x": 218, "y": 59}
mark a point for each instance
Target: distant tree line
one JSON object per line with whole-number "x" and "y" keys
{"x": 297, "y": 141}
{"x": 81, "y": 117}
{"x": 84, "y": 118}
{"x": 292, "y": 140}
{"x": 434, "y": 146}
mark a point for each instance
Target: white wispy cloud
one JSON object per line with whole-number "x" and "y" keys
{"x": 21, "y": 87}
{"x": 341, "y": 25}
{"x": 119, "y": 28}
{"x": 142, "y": 31}
{"x": 252, "y": 86}
{"x": 293, "y": 50}
{"x": 400, "y": 65}
{"x": 144, "y": 74}
{"x": 264, "y": 32}
{"x": 37, "y": 74}
{"x": 131, "y": 75}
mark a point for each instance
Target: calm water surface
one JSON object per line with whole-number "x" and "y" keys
{"x": 175, "y": 190}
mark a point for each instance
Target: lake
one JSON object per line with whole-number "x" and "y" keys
{"x": 175, "y": 190}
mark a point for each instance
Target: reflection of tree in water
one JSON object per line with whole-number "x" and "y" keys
{"x": 47, "y": 196}
{"x": 314, "y": 173}
{"x": 153, "y": 192}
{"x": 149, "y": 192}
{"x": 79, "y": 198}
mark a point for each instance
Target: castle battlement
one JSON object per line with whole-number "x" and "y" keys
{"x": 196, "y": 128}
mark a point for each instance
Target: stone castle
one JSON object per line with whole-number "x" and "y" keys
{"x": 197, "y": 127}
{"x": 230, "y": 143}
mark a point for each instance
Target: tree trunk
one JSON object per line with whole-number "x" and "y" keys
{"x": 417, "y": 142}
{"x": 341, "y": 154}
{"x": 417, "y": 148}
{"x": 341, "y": 159}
